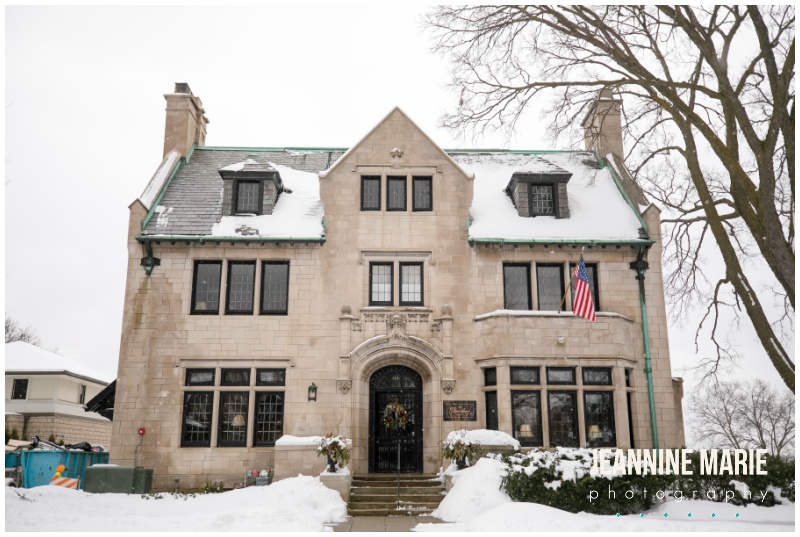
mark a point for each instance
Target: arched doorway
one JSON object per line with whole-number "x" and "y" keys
{"x": 402, "y": 385}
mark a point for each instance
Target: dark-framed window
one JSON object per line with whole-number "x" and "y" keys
{"x": 560, "y": 375}
{"x": 82, "y": 394}
{"x": 241, "y": 286}
{"x": 526, "y": 417}
{"x": 381, "y": 280}
{"x": 268, "y": 426}
{"x": 563, "y": 418}
{"x": 516, "y": 286}
{"x": 270, "y": 377}
{"x": 200, "y": 377}
{"x": 19, "y": 389}
{"x": 248, "y": 197}
{"x": 491, "y": 411}
{"x": 411, "y": 284}
{"x": 596, "y": 376}
{"x": 205, "y": 287}
{"x": 370, "y": 192}
{"x": 525, "y": 375}
{"x": 591, "y": 273}
{"x": 232, "y": 421}
{"x": 235, "y": 377}
{"x": 422, "y": 193}
{"x": 541, "y": 199}
{"x": 396, "y": 193}
{"x": 550, "y": 286}
{"x": 490, "y": 376}
{"x": 598, "y": 414}
{"x": 275, "y": 288}
{"x": 196, "y": 424}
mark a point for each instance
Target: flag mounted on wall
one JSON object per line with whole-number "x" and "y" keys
{"x": 582, "y": 303}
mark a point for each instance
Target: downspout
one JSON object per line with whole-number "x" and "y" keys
{"x": 640, "y": 266}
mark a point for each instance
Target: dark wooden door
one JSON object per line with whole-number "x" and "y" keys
{"x": 402, "y": 385}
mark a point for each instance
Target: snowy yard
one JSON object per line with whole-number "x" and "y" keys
{"x": 304, "y": 504}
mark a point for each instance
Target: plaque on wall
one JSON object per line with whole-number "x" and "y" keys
{"x": 460, "y": 410}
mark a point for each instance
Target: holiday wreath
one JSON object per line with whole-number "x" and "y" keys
{"x": 395, "y": 417}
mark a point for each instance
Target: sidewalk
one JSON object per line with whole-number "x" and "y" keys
{"x": 385, "y": 523}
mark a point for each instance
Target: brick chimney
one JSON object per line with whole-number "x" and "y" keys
{"x": 602, "y": 126}
{"x": 186, "y": 120}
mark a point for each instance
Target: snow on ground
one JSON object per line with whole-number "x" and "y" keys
{"x": 475, "y": 503}
{"x": 296, "y": 504}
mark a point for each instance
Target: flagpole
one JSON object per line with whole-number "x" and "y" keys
{"x": 572, "y": 278}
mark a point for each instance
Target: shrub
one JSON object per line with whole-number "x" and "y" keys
{"x": 336, "y": 448}
{"x": 458, "y": 447}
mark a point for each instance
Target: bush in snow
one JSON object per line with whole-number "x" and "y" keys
{"x": 460, "y": 448}
{"x": 336, "y": 448}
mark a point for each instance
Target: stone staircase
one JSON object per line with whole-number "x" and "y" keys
{"x": 377, "y": 494}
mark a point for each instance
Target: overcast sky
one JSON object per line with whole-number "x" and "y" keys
{"x": 84, "y": 112}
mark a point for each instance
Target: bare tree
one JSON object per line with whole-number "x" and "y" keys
{"x": 709, "y": 108}
{"x": 17, "y": 332}
{"x": 744, "y": 415}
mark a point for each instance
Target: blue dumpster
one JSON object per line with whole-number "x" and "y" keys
{"x": 38, "y": 466}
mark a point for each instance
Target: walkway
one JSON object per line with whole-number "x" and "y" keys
{"x": 385, "y": 523}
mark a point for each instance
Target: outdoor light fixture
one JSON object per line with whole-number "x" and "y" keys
{"x": 312, "y": 392}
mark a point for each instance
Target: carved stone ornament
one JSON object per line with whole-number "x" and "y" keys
{"x": 447, "y": 311}
{"x": 436, "y": 326}
{"x": 346, "y": 309}
{"x": 448, "y": 386}
{"x": 356, "y": 326}
{"x": 343, "y": 386}
{"x": 396, "y": 153}
{"x": 397, "y": 327}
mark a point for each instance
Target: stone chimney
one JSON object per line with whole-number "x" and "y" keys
{"x": 602, "y": 126}
{"x": 186, "y": 121}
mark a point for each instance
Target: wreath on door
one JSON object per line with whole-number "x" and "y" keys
{"x": 395, "y": 417}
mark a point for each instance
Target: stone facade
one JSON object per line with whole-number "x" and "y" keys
{"x": 333, "y": 338}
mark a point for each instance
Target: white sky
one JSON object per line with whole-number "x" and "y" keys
{"x": 84, "y": 132}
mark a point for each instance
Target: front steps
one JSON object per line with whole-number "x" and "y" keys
{"x": 377, "y": 494}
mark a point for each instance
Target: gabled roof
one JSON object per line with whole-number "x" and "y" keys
{"x": 24, "y": 358}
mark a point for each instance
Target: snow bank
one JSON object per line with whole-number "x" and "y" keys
{"x": 475, "y": 489}
{"x": 486, "y": 437}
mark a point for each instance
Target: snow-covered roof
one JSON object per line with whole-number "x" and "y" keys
{"x": 23, "y": 357}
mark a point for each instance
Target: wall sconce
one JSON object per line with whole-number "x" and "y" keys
{"x": 312, "y": 392}
{"x": 239, "y": 421}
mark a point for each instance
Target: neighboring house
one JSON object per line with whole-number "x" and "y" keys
{"x": 46, "y": 393}
{"x": 298, "y": 292}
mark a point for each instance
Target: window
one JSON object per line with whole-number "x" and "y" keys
{"x": 541, "y": 200}
{"x": 395, "y": 193}
{"x": 422, "y": 193}
{"x": 597, "y": 376}
{"x": 19, "y": 389}
{"x": 275, "y": 288}
{"x": 411, "y": 284}
{"x": 591, "y": 273}
{"x": 516, "y": 278}
{"x": 550, "y": 286}
{"x": 248, "y": 197}
{"x": 235, "y": 377}
{"x": 233, "y": 407}
{"x": 241, "y": 283}
{"x": 381, "y": 278}
{"x": 524, "y": 375}
{"x": 561, "y": 375}
{"x": 205, "y": 288}
{"x": 563, "y": 419}
{"x": 490, "y": 376}
{"x": 370, "y": 192}
{"x": 526, "y": 416}
{"x": 270, "y": 377}
{"x": 82, "y": 394}
{"x": 599, "y": 417}
{"x": 200, "y": 377}
{"x": 269, "y": 418}
{"x": 196, "y": 429}
{"x": 491, "y": 411}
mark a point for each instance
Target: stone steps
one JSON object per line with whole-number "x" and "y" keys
{"x": 377, "y": 494}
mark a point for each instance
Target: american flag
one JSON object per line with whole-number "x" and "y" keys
{"x": 582, "y": 303}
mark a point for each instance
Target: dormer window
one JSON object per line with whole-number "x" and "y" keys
{"x": 250, "y": 187}
{"x": 540, "y": 193}
{"x": 541, "y": 200}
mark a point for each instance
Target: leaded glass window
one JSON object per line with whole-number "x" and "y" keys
{"x": 269, "y": 418}
{"x": 541, "y": 200}
{"x": 235, "y": 377}
{"x": 233, "y": 407}
{"x": 270, "y": 377}
{"x": 396, "y": 193}
{"x": 196, "y": 427}
{"x": 563, "y": 413}
{"x": 248, "y": 197}
{"x": 275, "y": 288}
{"x": 411, "y": 290}
{"x": 370, "y": 192}
{"x": 598, "y": 376}
{"x": 526, "y": 416}
{"x": 381, "y": 278}
{"x": 241, "y": 286}
{"x": 524, "y": 375}
{"x": 490, "y": 376}
{"x": 598, "y": 412}
{"x": 423, "y": 193}
{"x": 561, "y": 375}
{"x": 205, "y": 289}
{"x": 550, "y": 286}
{"x": 200, "y": 377}
{"x": 516, "y": 286}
